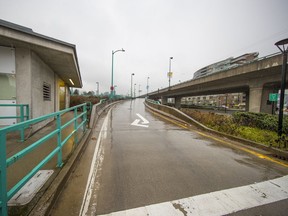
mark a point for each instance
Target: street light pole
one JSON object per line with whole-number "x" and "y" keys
{"x": 283, "y": 46}
{"x": 135, "y": 90}
{"x": 132, "y": 85}
{"x": 114, "y": 90}
{"x": 147, "y": 87}
{"x": 112, "y": 78}
{"x": 139, "y": 90}
{"x": 170, "y": 73}
{"x": 97, "y": 91}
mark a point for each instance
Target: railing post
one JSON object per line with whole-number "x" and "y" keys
{"x": 59, "y": 140}
{"x": 75, "y": 127}
{"x": 85, "y": 117}
{"x": 27, "y": 112}
{"x": 22, "y": 131}
{"x": 3, "y": 175}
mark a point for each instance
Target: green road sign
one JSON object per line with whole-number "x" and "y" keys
{"x": 273, "y": 97}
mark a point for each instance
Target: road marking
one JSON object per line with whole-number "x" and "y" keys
{"x": 144, "y": 121}
{"x": 218, "y": 203}
{"x": 140, "y": 124}
{"x": 259, "y": 155}
{"x": 93, "y": 169}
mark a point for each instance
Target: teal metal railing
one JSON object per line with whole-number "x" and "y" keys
{"x": 24, "y": 115}
{"x": 6, "y": 194}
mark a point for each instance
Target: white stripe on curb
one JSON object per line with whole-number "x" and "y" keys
{"x": 93, "y": 169}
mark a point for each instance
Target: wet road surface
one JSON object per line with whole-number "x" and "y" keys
{"x": 143, "y": 160}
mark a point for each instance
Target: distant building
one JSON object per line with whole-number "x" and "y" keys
{"x": 232, "y": 100}
{"x": 36, "y": 70}
{"x": 226, "y": 64}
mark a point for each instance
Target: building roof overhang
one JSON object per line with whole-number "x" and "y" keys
{"x": 60, "y": 56}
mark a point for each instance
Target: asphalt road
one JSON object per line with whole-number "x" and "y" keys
{"x": 144, "y": 160}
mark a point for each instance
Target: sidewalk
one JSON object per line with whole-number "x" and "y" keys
{"x": 47, "y": 195}
{"x": 24, "y": 165}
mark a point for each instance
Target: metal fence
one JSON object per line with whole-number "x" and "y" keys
{"x": 24, "y": 115}
{"x": 79, "y": 121}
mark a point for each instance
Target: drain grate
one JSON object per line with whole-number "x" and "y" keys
{"x": 29, "y": 190}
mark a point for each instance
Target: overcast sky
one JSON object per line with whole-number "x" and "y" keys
{"x": 194, "y": 33}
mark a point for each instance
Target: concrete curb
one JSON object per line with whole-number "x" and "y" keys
{"x": 46, "y": 202}
{"x": 190, "y": 121}
{"x": 48, "y": 199}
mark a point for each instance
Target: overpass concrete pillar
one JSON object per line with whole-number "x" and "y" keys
{"x": 164, "y": 100}
{"x": 178, "y": 102}
{"x": 266, "y": 105}
{"x": 255, "y": 97}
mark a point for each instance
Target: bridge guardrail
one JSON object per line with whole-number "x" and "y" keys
{"x": 6, "y": 194}
{"x": 189, "y": 80}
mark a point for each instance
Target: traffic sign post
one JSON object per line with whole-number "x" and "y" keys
{"x": 273, "y": 97}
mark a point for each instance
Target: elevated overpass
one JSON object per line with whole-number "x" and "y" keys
{"x": 256, "y": 79}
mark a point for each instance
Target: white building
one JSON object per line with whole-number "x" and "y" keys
{"x": 226, "y": 64}
{"x": 36, "y": 70}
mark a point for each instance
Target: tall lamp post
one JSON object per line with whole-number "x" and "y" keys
{"x": 112, "y": 78}
{"x": 283, "y": 46}
{"x": 132, "y": 85}
{"x": 147, "y": 87}
{"x": 114, "y": 90}
{"x": 97, "y": 91}
{"x": 139, "y": 90}
{"x": 135, "y": 90}
{"x": 170, "y": 72}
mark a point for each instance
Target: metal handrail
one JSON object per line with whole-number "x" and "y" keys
{"x": 23, "y": 117}
{"x": 5, "y": 163}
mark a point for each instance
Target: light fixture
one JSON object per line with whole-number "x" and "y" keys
{"x": 71, "y": 82}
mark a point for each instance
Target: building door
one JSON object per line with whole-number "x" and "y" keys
{"x": 62, "y": 96}
{"x": 7, "y": 85}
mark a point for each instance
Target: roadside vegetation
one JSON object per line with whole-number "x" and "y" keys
{"x": 257, "y": 127}
{"x": 76, "y": 98}
{"x": 79, "y": 99}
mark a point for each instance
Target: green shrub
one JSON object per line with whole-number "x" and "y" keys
{"x": 258, "y": 135}
{"x": 79, "y": 99}
{"x": 260, "y": 120}
{"x": 257, "y": 127}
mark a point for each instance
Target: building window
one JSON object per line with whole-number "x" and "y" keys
{"x": 46, "y": 92}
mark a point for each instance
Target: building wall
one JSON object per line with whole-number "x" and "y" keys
{"x": 23, "y": 78}
{"x": 31, "y": 73}
{"x": 41, "y": 73}
{"x": 56, "y": 93}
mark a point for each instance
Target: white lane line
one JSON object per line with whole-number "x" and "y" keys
{"x": 219, "y": 202}
{"x": 93, "y": 169}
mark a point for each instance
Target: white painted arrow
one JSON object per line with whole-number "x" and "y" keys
{"x": 145, "y": 121}
{"x": 140, "y": 124}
